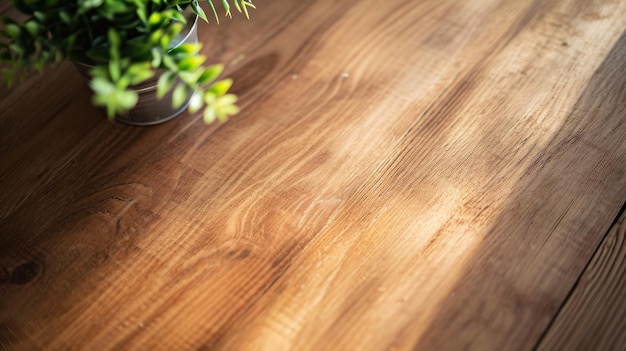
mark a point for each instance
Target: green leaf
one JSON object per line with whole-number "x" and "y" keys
{"x": 209, "y": 98}
{"x": 186, "y": 49}
{"x": 114, "y": 37}
{"x": 179, "y": 96}
{"x": 89, "y": 4}
{"x": 165, "y": 41}
{"x": 13, "y": 30}
{"x": 33, "y": 28}
{"x": 190, "y": 78}
{"x": 210, "y": 74}
{"x": 209, "y": 115}
{"x": 177, "y": 16}
{"x": 217, "y": 18}
{"x": 196, "y": 102}
{"x": 115, "y": 70}
{"x": 126, "y": 99}
{"x": 225, "y": 106}
{"x": 137, "y": 68}
{"x": 100, "y": 72}
{"x": 245, "y": 9}
{"x": 102, "y": 87}
{"x": 166, "y": 80}
{"x": 40, "y": 16}
{"x": 227, "y": 99}
{"x": 116, "y": 100}
{"x": 169, "y": 62}
{"x": 221, "y": 87}
{"x": 198, "y": 11}
{"x": 191, "y": 63}
{"x": 17, "y": 49}
{"x": 139, "y": 72}
{"x": 111, "y": 109}
{"x": 173, "y": 30}
{"x": 123, "y": 82}
{"x": 142, "y": 77}
{"x": 157, "y": 57}
{"x": 141, "y": 13}
{"x": 155, "y": 19}
{"x": 229, "y": 110}
{"x": 227, "y": 7}
{"x": 156, "y": 35}
{"x": 115, "y": 41}
{"x": 65, "y": 17}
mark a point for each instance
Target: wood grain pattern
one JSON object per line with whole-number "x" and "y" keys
{"x": 593, "y": 316}
{"x": 426, "y": 176}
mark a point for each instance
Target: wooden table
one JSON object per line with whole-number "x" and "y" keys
{"x": 428, "y": 175}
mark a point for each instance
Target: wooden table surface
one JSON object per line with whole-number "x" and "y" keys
{"x": 427, "y": 175}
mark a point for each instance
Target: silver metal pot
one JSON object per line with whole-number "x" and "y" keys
{"x": 150, "y": 110}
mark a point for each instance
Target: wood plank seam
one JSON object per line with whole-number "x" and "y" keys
{"x": 578, "y": 280}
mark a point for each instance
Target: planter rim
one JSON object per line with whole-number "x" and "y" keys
{"x": 149, "y": 110}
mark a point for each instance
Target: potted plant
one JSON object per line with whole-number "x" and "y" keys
{"x": 133, "y": 53}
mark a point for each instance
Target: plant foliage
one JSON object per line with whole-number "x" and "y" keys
{"x": 126, "y": 42}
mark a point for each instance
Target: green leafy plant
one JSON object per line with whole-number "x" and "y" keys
{"x": 125, "y": 42}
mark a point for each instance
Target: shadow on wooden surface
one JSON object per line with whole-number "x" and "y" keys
{"x": 592, "y": 318}
{"x": 502, "y": 287}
